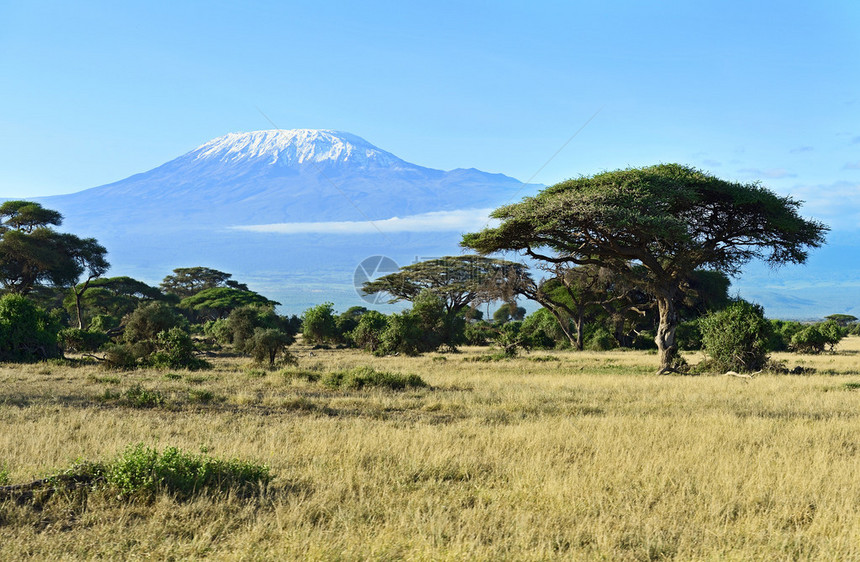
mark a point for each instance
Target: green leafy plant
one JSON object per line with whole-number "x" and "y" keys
{"x": 736, "y": 338}
{"x": 367, "y": 377}
{"x": 143, "y": 471}
{"x": 139, "y": 397}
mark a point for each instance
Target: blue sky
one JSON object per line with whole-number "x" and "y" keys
{"x": 93, "y": 92}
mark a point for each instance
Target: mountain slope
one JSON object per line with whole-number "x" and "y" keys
{"x": 280, "y": 176}
{"x": 183, "y": 213}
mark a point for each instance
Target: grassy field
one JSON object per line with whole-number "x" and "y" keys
{"x": 559, "y": 455}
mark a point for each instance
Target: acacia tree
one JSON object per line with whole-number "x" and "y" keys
{"x": 670, "y": 219}
{"x": 458, "y": 280}
{"x": 217, "y": 302}
{"x": 186, "y": 282}
{"x": 572, "y": 293}
{"x": 89, "y": 258}
{"x": 32, "y": 253}
{"x": 110, "y": 299}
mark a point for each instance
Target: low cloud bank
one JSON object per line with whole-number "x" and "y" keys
{"x": 439, "y": 221}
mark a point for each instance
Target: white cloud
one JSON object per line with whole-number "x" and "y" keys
{"x": 439, "y": 221}
{"x": 837, "y": 204}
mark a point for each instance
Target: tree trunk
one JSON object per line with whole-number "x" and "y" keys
{"x": 560, "y": 318}
{"x": 666, "y": 334}
{"x": 78, "y": 309}
{"x": 579, "y": 323}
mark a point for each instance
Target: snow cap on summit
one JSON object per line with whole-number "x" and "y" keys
{"x": 295, "y": 146}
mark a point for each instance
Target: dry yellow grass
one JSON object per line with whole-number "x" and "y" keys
{"x": 588, "y": 456}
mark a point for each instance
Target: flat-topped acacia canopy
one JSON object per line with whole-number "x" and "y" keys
{"x": 671, "y": 219}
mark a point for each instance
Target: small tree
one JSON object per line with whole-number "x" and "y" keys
{"x": 185, "y": 282}
{"x": 148, "y": 320}
{"x": 33, "y": 254}
{"x": 736, "y": 338}
{"x": 267, "y": 343}
{"x": 368, "y": 333}
{"x": 319, "y": 325}
{"x": 218, "y": 302}
{"x": 27, "y": 332}
{"x": 459, "y": 281}
{"x": 174, "y": 349}
{"x": 814, "y": 338}
{"x": 508, "y": 312}
{"x": 843, "y": 320}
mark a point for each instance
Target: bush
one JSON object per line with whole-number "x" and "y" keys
{"x": 364, "y": 377}
{"x": 736, "y": 337}
{"x": 142, "y": 471}
{"x": 139, "y": 397}
{"x": 27, "y": 332}
{"x": 644, "y": 339}
{"x": 367, "y": 334}
{"x": 175, "y": 350}
{"x": 542, "y": 330}
{"x": 266, "y": 344}
{"x": 426, "y": 327}
{"x": 781, "y": 333}
{"x": 478, "y": 333}
{"x": 75, "y": 340}
{"x": 402, "y": 334}
{"x": 149, "y": 320}
{"x": 120, "y": 356}
{"x": 600, "y": 339}
{"x": 688, "y": 336}
{"x": 814, "y": 338}
{"x": 509, "y": 337}
{"x": 319, "y": 325}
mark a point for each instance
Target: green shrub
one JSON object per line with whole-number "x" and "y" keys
{"x": 736, "y": 337}
{"x": 75, "y": 340}
{"x": 319, "y": 324}
{"x": 267, "y": 343}
{"x": 139, "y": 397}
{"x": 150, "y": 319}
{"x": 644, "y": 339}
{"x": 600, "y": 339}
{"x": 814, "y": 338}
{"x": 367, "y": 377}
{"x": 510, "y": 338}
{"x": 688, "y": 336}
{"x": 175, "y": 350}
{"x": 120, "y": 356}
{"x": 27, "y": 332}
{"x": 478, "y": 333}
{"x": 542, "y": 330}
{"x": 367, "y": 333}
{"x": 142, "y": 471}
{"x": 201, "y": 395}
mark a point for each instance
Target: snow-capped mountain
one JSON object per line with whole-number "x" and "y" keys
{"x": 281, "y": 176}
{"x": 215, "y": 206}
{"x": 296, "y": 147}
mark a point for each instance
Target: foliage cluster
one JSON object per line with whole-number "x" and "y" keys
{"x": 736, "y": 338}
{"x": 141, "y": 471}
{"x": 27, "y": 332}
{"x": 367, "y": 377}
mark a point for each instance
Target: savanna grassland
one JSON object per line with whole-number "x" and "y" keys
{"x": 559, "y": 455}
